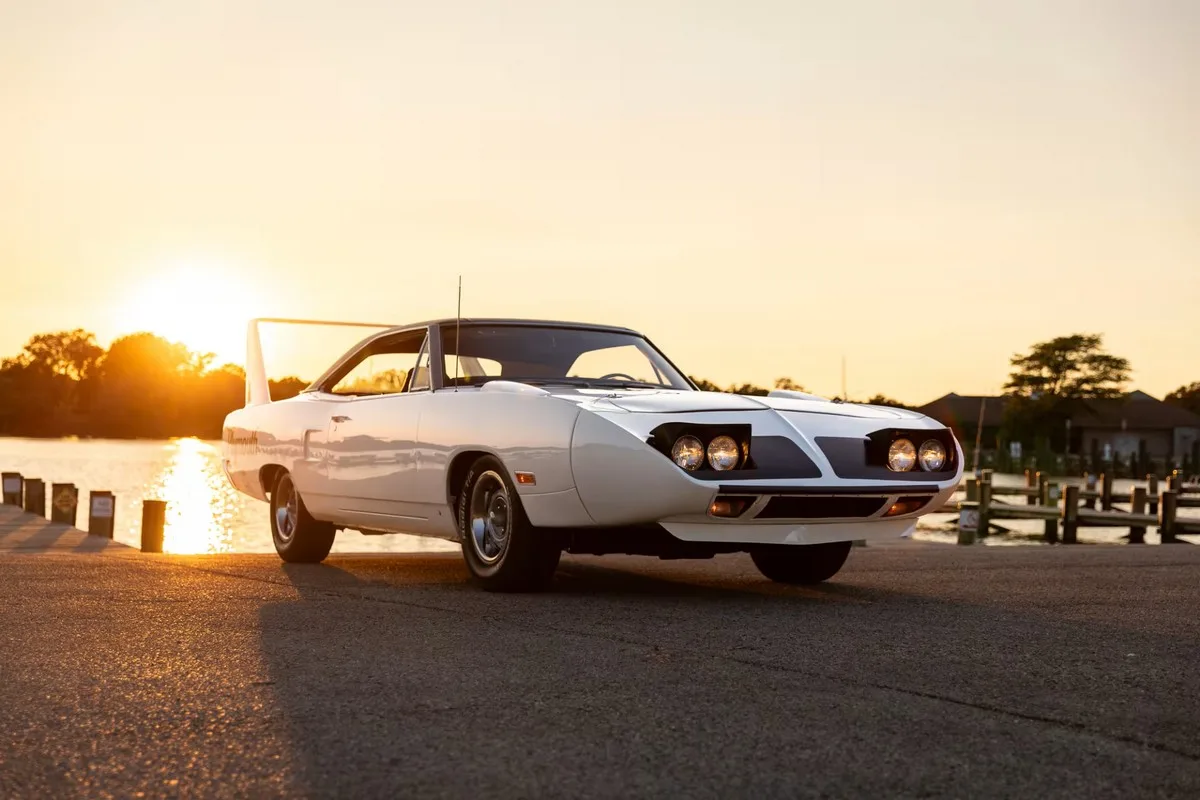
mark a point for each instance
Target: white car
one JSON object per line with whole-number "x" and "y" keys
{"x": 524, "y": 439}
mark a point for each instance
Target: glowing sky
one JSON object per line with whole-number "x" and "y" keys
{"x": 763, "y": 188}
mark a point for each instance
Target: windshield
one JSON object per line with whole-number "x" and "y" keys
{"x": 548, "y": 355}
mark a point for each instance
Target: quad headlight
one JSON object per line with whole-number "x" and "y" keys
{"x": 932, "y": 455}
{"x": 902, "y": 456}
{"x": 688, "y": 453}
{"x": 723, "y": 453}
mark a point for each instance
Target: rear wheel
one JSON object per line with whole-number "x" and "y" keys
{"x": 298, "y": 537}
{"x": 503, "y": 551}
{"x": 801, "y": 564}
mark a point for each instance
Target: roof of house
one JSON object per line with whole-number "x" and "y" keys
{"x": 957, "y": 410}
{"x": 1136, "y": 410}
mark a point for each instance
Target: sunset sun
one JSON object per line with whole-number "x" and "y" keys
{"x": 202, "y": 305}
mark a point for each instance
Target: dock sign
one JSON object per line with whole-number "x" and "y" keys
{"x": 102, "y": 505}
{"x": 64, "y": 498}
{"x": 968, "y": 520}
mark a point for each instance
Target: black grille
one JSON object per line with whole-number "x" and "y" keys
{"x": 821, "y": 507}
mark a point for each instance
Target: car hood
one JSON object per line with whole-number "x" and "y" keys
{"x": 641, "y": 401}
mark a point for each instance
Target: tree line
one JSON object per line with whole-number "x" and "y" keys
{"x": 143, "y": 386}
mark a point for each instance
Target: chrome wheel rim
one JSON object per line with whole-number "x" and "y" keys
{"x": 490, "y": 517}
{"x": 287, "y": 512}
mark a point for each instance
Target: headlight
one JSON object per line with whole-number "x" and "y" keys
{"x": 688, "y": 452}
{"x": 902, "y": 456}
{"x": 723, "y": 453}
{"x": 933, "y": 456}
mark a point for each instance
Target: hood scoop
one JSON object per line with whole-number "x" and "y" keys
{"x": 684, "y": 402}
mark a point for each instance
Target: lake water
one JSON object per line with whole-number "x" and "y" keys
{"x": 206, "y": 515}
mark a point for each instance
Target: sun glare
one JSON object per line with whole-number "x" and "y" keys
{"x": 201, "y": 305}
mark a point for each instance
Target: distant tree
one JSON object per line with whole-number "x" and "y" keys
{"x": 1186, "y": 396}
{"x": 1071, "y": 367}
{"x": 884, "y": 400}
{"x": 72, "y": 354}
{"x": 287, "y": 387}
{"x": 705, "y": 386}
{"x": 787, "y": 384}
{"x": 1053, "y": 381}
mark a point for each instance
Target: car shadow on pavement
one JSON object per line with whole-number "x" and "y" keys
{"x": 397, "y": 677}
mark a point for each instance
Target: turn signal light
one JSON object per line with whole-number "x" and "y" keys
{"x": 526, "y": 479}
{"x": 729, "y": 506}
{"x": 906, "y": 505}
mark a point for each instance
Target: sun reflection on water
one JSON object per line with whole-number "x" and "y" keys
{"x": 200, "y": 502}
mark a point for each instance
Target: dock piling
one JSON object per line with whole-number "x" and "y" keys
{"x": 35, "y": 497}
{"x": 1070, "y": 515}
{"x": 101, "y": 512}
{"x": 1166, "y": 517}
{"x": 1137, "y": 505}
{"x": 64, "y": 499}
{"x": 154, "y": 521}
{"x": 12, "y": 485}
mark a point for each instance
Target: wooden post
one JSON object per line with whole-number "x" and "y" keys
{"x": 972, "y": 490}
{"x": 985, "y": 503}
{"x": 1152, "y": 493}
{"x": 1175, "y": 482}
{"x": 1137, "y": 505}
{"x": 1106, "y": 482}
{"x": 1029, "y": 479}
{"x": 12, "y": 486}
{"x": 1049, "y": 498}
{"x": 64, "y": 498}
{"x": 154, "y": 520}
{"x": 35, "y": 496}
{"x": 101, "y": 513}
{"x": 1089, "y": 481}
{"x": 1070, "y": 515}
{"x": 1166, "y": 517}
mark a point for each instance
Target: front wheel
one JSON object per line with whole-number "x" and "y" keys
{"x": 801, "y": 564}
{"x": 503, "y": 551}
{"x": 298, "y": 537}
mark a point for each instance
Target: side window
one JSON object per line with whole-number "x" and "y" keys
{"x": 420, "y": 381}
{"x": 384, "y": 367}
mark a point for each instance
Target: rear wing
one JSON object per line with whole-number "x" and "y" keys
{"x": 258, "y": 390}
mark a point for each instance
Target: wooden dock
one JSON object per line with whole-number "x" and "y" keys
{"x": 22, "y": 532}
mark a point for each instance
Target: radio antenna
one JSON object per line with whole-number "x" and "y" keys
{"x": 457, "y": 332}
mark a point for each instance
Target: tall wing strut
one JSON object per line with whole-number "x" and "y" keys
{"x": 258, "y": 390}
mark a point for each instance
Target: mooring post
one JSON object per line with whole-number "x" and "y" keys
{"x": 1137, "y": 505}
{"x": 1070, "y": 515}
{"x": 1036, "y": 482}
{"x": 1175, "y": 482}
{"x": 154, "y": 520}
{"x": 1029, "y": 478}
{"x": 1049, "y": 497}
{"x": 1089, "y": 481}
{"x": 101, "y": 513}
{"x": 985, "y": 503}
{"x": 1106, "y": 483}
{"x": 64, "y": 498}
{"x": 35, "y": 496}
{"x": 1166, "y": 517}
{"x": 1152, "y": 493}
{"x": 972, "y": 490}
{"x": 12, "y": 484}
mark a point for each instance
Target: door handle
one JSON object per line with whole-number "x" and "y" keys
{"x": 339, "y": 418}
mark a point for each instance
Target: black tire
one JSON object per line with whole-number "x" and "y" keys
{"x": 503, "y": 551}
{"x": 801, "y": 564}
{"x": 310, "y": 539}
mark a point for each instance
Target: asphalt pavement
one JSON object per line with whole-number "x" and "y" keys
{"x": 919, "y": 671}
